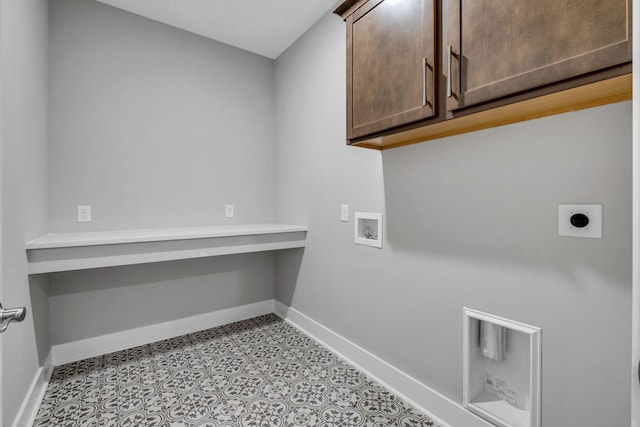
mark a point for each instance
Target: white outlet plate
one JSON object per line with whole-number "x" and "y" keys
{"x": 593, "y": 230}
{"x": 228, "y": 211}
{"x": 84, "y": 213}
{"x": 344, "y": 213}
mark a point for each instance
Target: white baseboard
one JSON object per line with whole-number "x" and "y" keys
{"x": 439, "y": 407}
{"x": 29, "y": 408}
{"x": 91, "y": 347}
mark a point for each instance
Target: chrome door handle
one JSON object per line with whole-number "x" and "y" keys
{"x": 11, "y": 315}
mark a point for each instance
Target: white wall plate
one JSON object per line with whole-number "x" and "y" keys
{"x": 592, "y": 230}
{"x": 368, "y": 229}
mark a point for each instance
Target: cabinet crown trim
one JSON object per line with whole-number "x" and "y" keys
{"x": 348, "y": 7}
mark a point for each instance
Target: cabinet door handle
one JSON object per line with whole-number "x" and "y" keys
{"x": 424, "y": 82}
{"x": 449, "y": 56}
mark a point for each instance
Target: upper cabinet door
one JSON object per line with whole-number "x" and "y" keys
{"x": 391, "y": 54}
{"x": 497, "y": 48}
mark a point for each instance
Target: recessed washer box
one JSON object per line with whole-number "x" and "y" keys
{"x": 368, "y": 229}
{"x": 501, "y": 370}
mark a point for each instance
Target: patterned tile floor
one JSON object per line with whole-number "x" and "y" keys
{"x": 260, "y": 372}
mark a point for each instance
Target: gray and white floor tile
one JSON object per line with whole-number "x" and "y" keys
{"x": 260, "y": 372}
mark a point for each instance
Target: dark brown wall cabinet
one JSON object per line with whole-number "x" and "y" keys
{"x": 494, "y": 53}
{"x": 391, "y": 49}
{"x": 505, "y": 48}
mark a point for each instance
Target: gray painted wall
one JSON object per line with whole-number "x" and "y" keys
{"x": 23, "y": 59}
{"x": 471, "y": 221}
{"x": 119, "y": 298}
{"x": 155, "y": 127}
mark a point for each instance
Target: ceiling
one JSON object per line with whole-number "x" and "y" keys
{"x": 265, "y": 27}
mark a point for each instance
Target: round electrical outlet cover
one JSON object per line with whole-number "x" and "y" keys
{"x": 579, "y": 220}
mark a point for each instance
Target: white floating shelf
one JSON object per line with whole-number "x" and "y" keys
{"x": 78, "y": 251}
